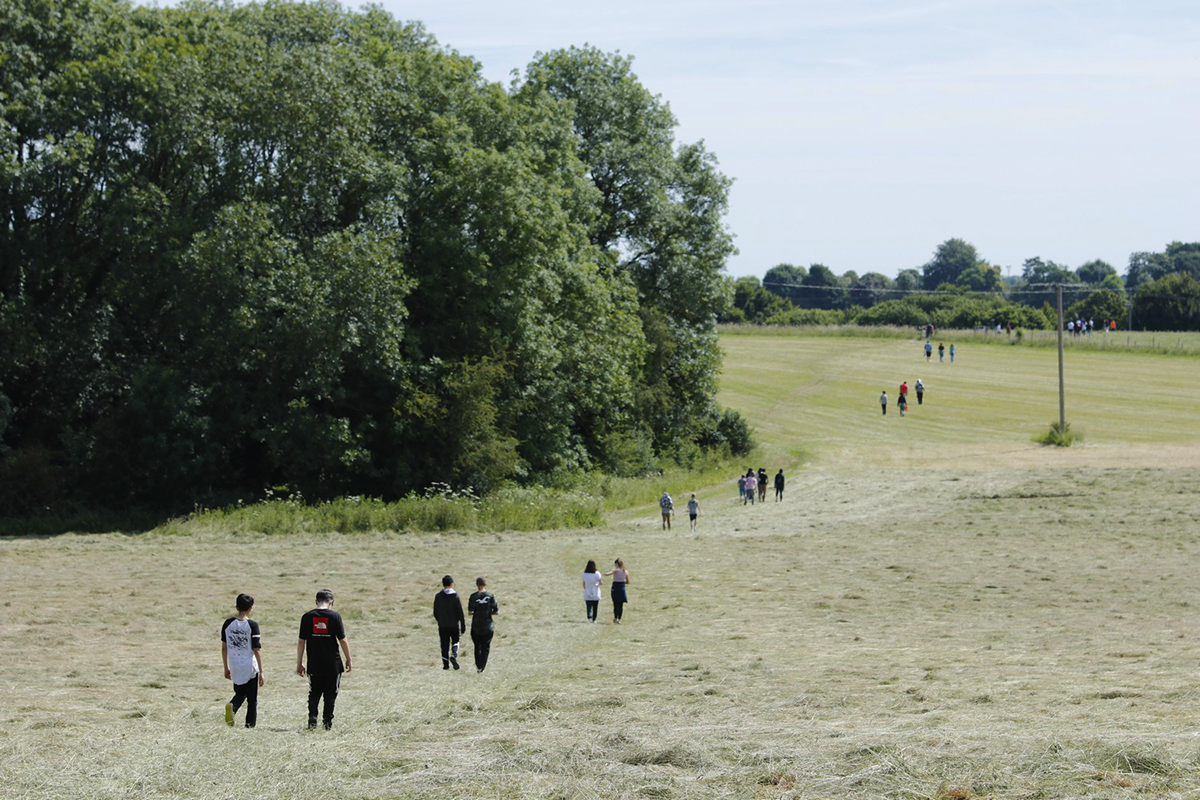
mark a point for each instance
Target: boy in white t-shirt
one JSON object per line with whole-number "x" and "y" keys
{"x": 693, "y": 510}
{"x": 241, "y": 652}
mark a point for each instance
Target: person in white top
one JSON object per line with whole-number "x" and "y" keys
{"x": 241, "y": 652}
{"x": 591, "y": 589}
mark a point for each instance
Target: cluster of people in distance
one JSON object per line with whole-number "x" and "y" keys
{"x": 941, "y": 348}
{"x": 902, "y": 400}
{"x": 754, "y": 485}
{"x": 323, "y": 640}
{"x": 667, "y": 506}
{"x": 593, "y": 580}
{"x": 1079, "y": 327}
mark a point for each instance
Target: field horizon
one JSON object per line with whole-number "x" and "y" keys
{"x": 939, "y": 608}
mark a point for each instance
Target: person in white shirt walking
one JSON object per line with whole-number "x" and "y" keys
{"x": 241, "y": 653}
{"x": 591, "y": 589}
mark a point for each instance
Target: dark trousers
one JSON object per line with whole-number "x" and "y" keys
{"x": 920, "y": 397}
{"x": 592, "y": 607}
{"x": 778, "y": 493}
{"x": 247, "y": 693}
{"x": 618, "y": 605}
{"x": 483, "y": 646}
{"x": 322, "y": 685}
{"x": 449, "y": 641}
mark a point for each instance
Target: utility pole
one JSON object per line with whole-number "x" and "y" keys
{"x": 1062, "y": 401}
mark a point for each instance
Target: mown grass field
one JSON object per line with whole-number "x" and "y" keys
{"x": 939, "y": 608}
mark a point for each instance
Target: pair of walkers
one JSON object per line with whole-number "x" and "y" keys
{"x": 322, "y": 634}
{"x": 593, "y": 579}
{"x": 448, "y": 611}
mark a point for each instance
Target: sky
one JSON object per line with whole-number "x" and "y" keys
{"x": 860, "y": 134}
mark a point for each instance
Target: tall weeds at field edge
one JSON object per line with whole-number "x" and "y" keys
{"x": 512, "y": 509}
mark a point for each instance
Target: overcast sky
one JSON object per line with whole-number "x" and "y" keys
{"x": 862, "y": 133}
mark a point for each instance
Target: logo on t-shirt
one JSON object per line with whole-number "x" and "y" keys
{"x": 320, "y": 626}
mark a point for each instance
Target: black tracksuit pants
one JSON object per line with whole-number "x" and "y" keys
{"x": 483, "y": 646}
{"x": 326, "y": 686}
{"x": 247, "y": 693}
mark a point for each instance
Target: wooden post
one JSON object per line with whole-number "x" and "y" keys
{"x": 1062, "y": 401}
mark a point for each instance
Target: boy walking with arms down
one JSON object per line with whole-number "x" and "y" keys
{"x": 447, "y": 610}
{"x": 482, "y": 607}
{"x": 321, "y": 633}
{"x": 241, "y": 652}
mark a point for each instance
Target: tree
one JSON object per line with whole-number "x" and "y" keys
{"x": 1038, "y": 281}
{"x": 950, "y": 259}
{"x": 1171, "y": 303}
{"x": 784, "y": 280}
{"x": 822, "y": 288}
{"x": 755, "y": 302}
{"x": 1101, "y": 305}
{"x": 660, "y": 217}
{"x": 981, "y": 277}
{"x": 869, "y": 289}
{"x": 1095, "y": 271}
{"x": 908, "y": 280}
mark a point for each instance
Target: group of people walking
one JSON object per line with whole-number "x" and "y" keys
{"x": 667, "y": 506}
{"x": 753, "y": 485}
{"x": 941, "y": 348}
{"x": 322, "y": 641}
{"x": 902, "y": 399}
{"x": 593, "y": 580}
{"x": 448, "y": 611}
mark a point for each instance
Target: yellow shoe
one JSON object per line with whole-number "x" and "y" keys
{"x": 229, "y": 714}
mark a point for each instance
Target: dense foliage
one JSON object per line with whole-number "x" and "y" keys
{"x": 959, "y": 289}
{"x": 286, "y": 243}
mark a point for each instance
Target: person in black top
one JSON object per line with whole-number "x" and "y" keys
{"x": 482, "y": 607}
{"x": 447, "y": 610}
{"x": 321, "y": 633}
{"x": 762, "y": 484}
{"x": 778, "y": 486}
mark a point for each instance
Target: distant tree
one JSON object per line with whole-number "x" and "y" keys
{"x": 1145, "y": 267}
{"x": 870, "y": 289}
{"x": 822, "y": 288}
{"x": 1184, "y": 258}
{"x": 784, "y": 280}
{"x": 1101, "y": 306}
{"x": 981, "y": 277}
{"x": 951, "y": 258}
{"x": 908, "y": 280}
{"x": 756, "y": 303}
{"x": 1171, "y": 303}
{"x": 1094, "y": 272}
{"x": 1038, "y": 280}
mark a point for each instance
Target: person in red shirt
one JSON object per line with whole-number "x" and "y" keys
{"x": 904, "y": 391}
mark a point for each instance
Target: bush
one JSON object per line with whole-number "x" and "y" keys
{"x": 734, "y": 428}
{"x": 1059, "y": 437}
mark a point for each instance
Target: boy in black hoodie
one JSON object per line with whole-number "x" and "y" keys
{"x": 448, "y": 611}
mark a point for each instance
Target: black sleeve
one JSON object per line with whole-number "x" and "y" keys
{"x": 255, "y": 636}
{"x": 305, "y": 630}
{"x": 223, "y": 627}
{"x": 462, "y": 620}
{"x": 495, "y": 605}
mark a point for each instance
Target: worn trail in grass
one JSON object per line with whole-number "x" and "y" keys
{"x": 938, "y": 608}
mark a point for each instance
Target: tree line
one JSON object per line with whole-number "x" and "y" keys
{"x": 287, "y": 243}
{"x": 959, "y": 289}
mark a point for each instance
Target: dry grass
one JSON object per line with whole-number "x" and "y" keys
{"x": 909, "y": 623}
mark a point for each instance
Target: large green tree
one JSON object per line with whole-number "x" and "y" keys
{"x": 245, "y": 245}
{"x": 659, "y": 222}
{"x": 951, "y": 258}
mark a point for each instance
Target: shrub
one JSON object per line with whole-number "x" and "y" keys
{"x": 1059, "y": 437}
